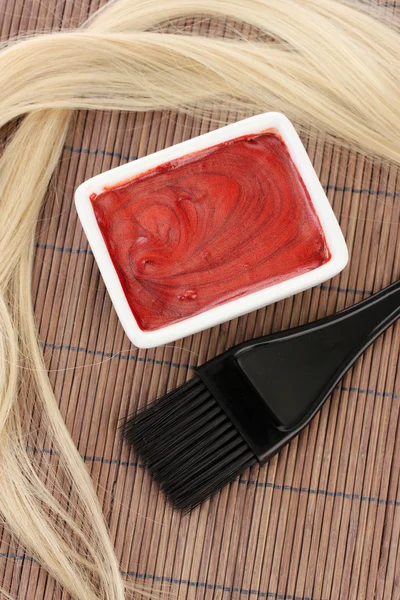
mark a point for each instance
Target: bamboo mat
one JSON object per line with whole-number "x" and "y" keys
{"x": 322, "y": 520}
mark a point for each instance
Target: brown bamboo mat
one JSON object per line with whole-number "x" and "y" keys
{"x": 322, "y": 520}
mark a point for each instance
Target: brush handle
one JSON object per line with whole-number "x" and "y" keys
{"x": 277, "y": 383}
{"x": 355, "y": 328}
{"x": 308, "y": 362}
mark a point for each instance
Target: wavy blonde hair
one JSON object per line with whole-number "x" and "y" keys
{"x": 329, "y": 66}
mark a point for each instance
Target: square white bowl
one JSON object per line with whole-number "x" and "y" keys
{"x": 273, "y": 121}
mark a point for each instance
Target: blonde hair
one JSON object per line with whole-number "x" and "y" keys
{"x": 323, "y": 63}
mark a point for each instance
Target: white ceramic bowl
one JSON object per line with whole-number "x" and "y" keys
{"x": 245, "y": 304}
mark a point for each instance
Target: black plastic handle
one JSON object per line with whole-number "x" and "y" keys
{"x": 277, "y": 383}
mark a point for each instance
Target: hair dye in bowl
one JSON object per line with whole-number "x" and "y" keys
{"x": 210, "y": 227}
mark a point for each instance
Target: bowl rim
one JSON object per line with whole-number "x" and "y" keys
{"x": 273, "y": 121}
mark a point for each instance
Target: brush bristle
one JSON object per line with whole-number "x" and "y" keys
{"x": 188, "y": 444}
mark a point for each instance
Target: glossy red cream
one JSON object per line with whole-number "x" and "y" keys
{"x": 210, "y": 227}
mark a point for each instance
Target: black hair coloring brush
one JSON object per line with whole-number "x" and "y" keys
{"x": 246, "y": 404}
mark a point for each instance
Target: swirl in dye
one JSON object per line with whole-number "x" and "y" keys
{"x": 210, "y": 227}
